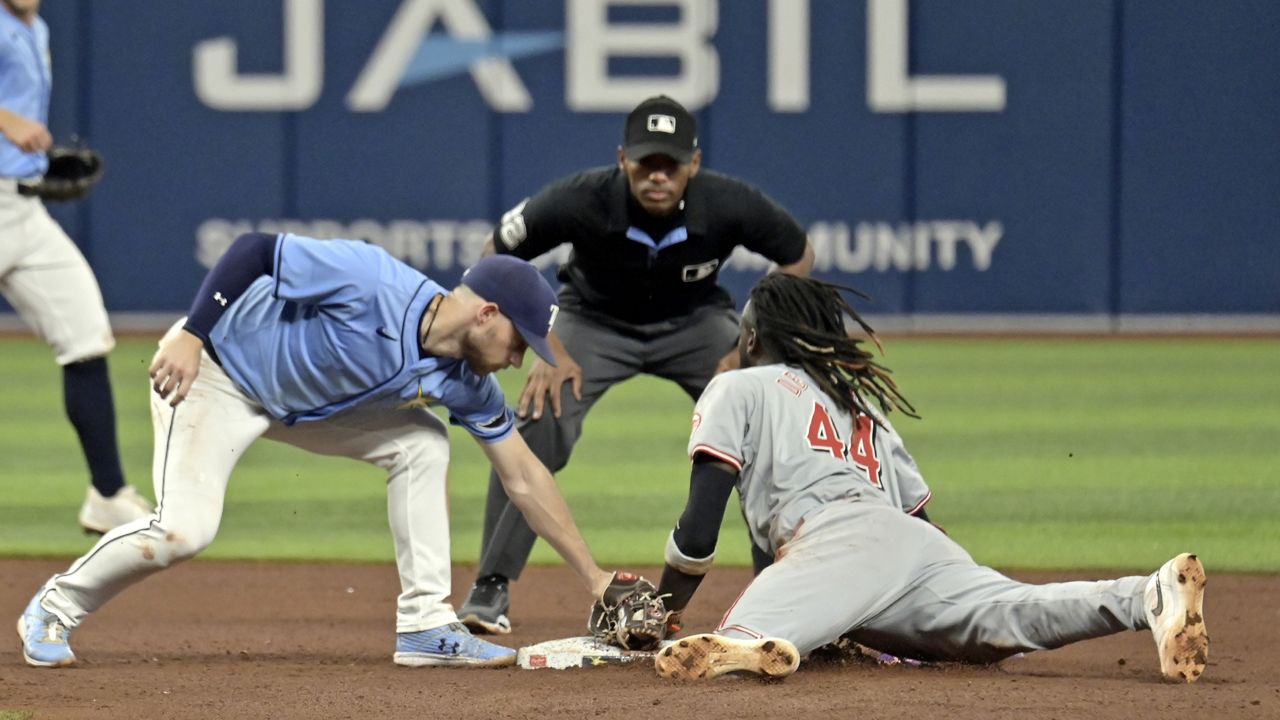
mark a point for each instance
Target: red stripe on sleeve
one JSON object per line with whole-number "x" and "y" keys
{"x": 920, "y": 505}
{"x": 717, "y": 454}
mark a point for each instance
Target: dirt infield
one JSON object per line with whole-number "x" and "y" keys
{"x": 219, "y": 640}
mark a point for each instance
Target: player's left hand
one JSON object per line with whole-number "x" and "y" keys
{"x": 176, "y": 365}
{"x": 545, "y": 380}
{"x": 72, "y": 173}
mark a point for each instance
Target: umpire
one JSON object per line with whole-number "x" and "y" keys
{"x": 639, "y": 294}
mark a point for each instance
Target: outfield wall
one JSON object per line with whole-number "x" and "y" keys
{"x": 993, "y": 162}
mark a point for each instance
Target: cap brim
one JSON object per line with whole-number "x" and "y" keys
{"x": 538, "y": 344}
{"x": 640, "y": 151}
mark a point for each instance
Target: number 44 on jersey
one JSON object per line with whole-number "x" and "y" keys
{"x": 859, "y": 450}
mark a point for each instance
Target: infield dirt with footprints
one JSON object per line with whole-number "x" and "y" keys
{"x": 259, "y": 640}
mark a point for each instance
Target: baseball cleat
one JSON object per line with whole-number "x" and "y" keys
{"x": 1174, "y": 604}
{"x": 100, "y": 514}
{"x": 44, "y": 637}
{"x": 486, "y": 608}
{"x": 702, "y": 657}
{"x": 449, "y": 645}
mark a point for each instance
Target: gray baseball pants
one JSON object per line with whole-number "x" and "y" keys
{"x": 901, "y": 586}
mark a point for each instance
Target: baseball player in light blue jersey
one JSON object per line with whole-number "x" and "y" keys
{"x": 338, "y": 348}
{"x": 44, "y": 276}
{"x": 824, "y": 482}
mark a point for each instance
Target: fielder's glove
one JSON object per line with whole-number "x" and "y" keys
{"x": 631, "y": 614}
{"x": 72, "y": 172}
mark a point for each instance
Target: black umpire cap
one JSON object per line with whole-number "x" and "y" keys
{"x": 660, "y": 126}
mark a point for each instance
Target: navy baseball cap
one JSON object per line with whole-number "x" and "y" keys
{"x": 660, "y": 126}
{"x": 521, "y": 293}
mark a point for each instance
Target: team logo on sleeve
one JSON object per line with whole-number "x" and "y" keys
{"x": 512, "y": 230}
{"x": 494, "y": 422}
{"x": 697, "y": 420}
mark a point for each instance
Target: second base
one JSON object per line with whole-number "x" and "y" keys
{"x": 576, "y": 652}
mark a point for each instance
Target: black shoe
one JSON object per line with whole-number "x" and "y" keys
{"x": 486, "y": 608}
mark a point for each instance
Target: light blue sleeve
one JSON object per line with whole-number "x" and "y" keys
{"x": 482, "y": 409}
{"x": 326, "y": 272}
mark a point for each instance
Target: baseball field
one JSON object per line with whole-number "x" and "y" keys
{"x": 1048, "y": 458}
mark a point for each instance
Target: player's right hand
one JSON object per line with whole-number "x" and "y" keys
{"x": 29, "y": 135}
{"x": 175, "y": 366}
{"x": 545, "y": 380}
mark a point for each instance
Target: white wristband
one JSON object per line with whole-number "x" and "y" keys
{"x": 684, "y": 563}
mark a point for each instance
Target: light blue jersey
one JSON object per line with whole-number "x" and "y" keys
{"x": 337, "y": 326}
{"x": 25, "y": 82}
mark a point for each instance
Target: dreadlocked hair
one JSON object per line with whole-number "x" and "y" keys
{"x": 801, "y": 322}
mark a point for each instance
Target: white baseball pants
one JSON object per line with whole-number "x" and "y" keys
{"x": 198, "y": 444}
{"x": 48, "y": 281}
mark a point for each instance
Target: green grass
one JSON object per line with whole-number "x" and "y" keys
{"x": 1042, "y": 453}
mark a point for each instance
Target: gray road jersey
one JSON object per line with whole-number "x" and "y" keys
{"x": 795, "y": 450}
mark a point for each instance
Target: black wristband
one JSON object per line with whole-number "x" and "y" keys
{"x": 679, "y": 588}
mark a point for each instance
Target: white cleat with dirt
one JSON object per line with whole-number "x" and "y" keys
{"x": 1174, "y": 603}
{"x": 702, "y": 657}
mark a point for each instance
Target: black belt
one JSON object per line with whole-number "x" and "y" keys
{"x": 213, "y": 354}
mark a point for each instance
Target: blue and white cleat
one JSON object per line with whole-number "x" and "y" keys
{"x": 1174, "y": 603}
{"x": 450, "y": 645}
{"x": 44, "y": 637}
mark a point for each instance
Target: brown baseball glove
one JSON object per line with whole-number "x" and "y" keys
{"x": 631, "y": 615}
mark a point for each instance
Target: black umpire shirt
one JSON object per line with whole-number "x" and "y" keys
{"x": 637, "y": 268}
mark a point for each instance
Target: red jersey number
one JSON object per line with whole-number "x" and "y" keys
{"x": 861, "y": 450}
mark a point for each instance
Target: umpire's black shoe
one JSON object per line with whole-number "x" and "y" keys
{"x": 486, "y": 608}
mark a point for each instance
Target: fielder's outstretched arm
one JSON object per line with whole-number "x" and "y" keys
{"x": 691, "y": 547}
{"x": 534, "y": 491}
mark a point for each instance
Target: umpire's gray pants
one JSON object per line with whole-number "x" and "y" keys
{"x": 684, "y": 351}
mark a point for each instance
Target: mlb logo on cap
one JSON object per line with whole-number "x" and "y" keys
{"x": 660, "y": 126}
{"x": 662, "y": 123}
